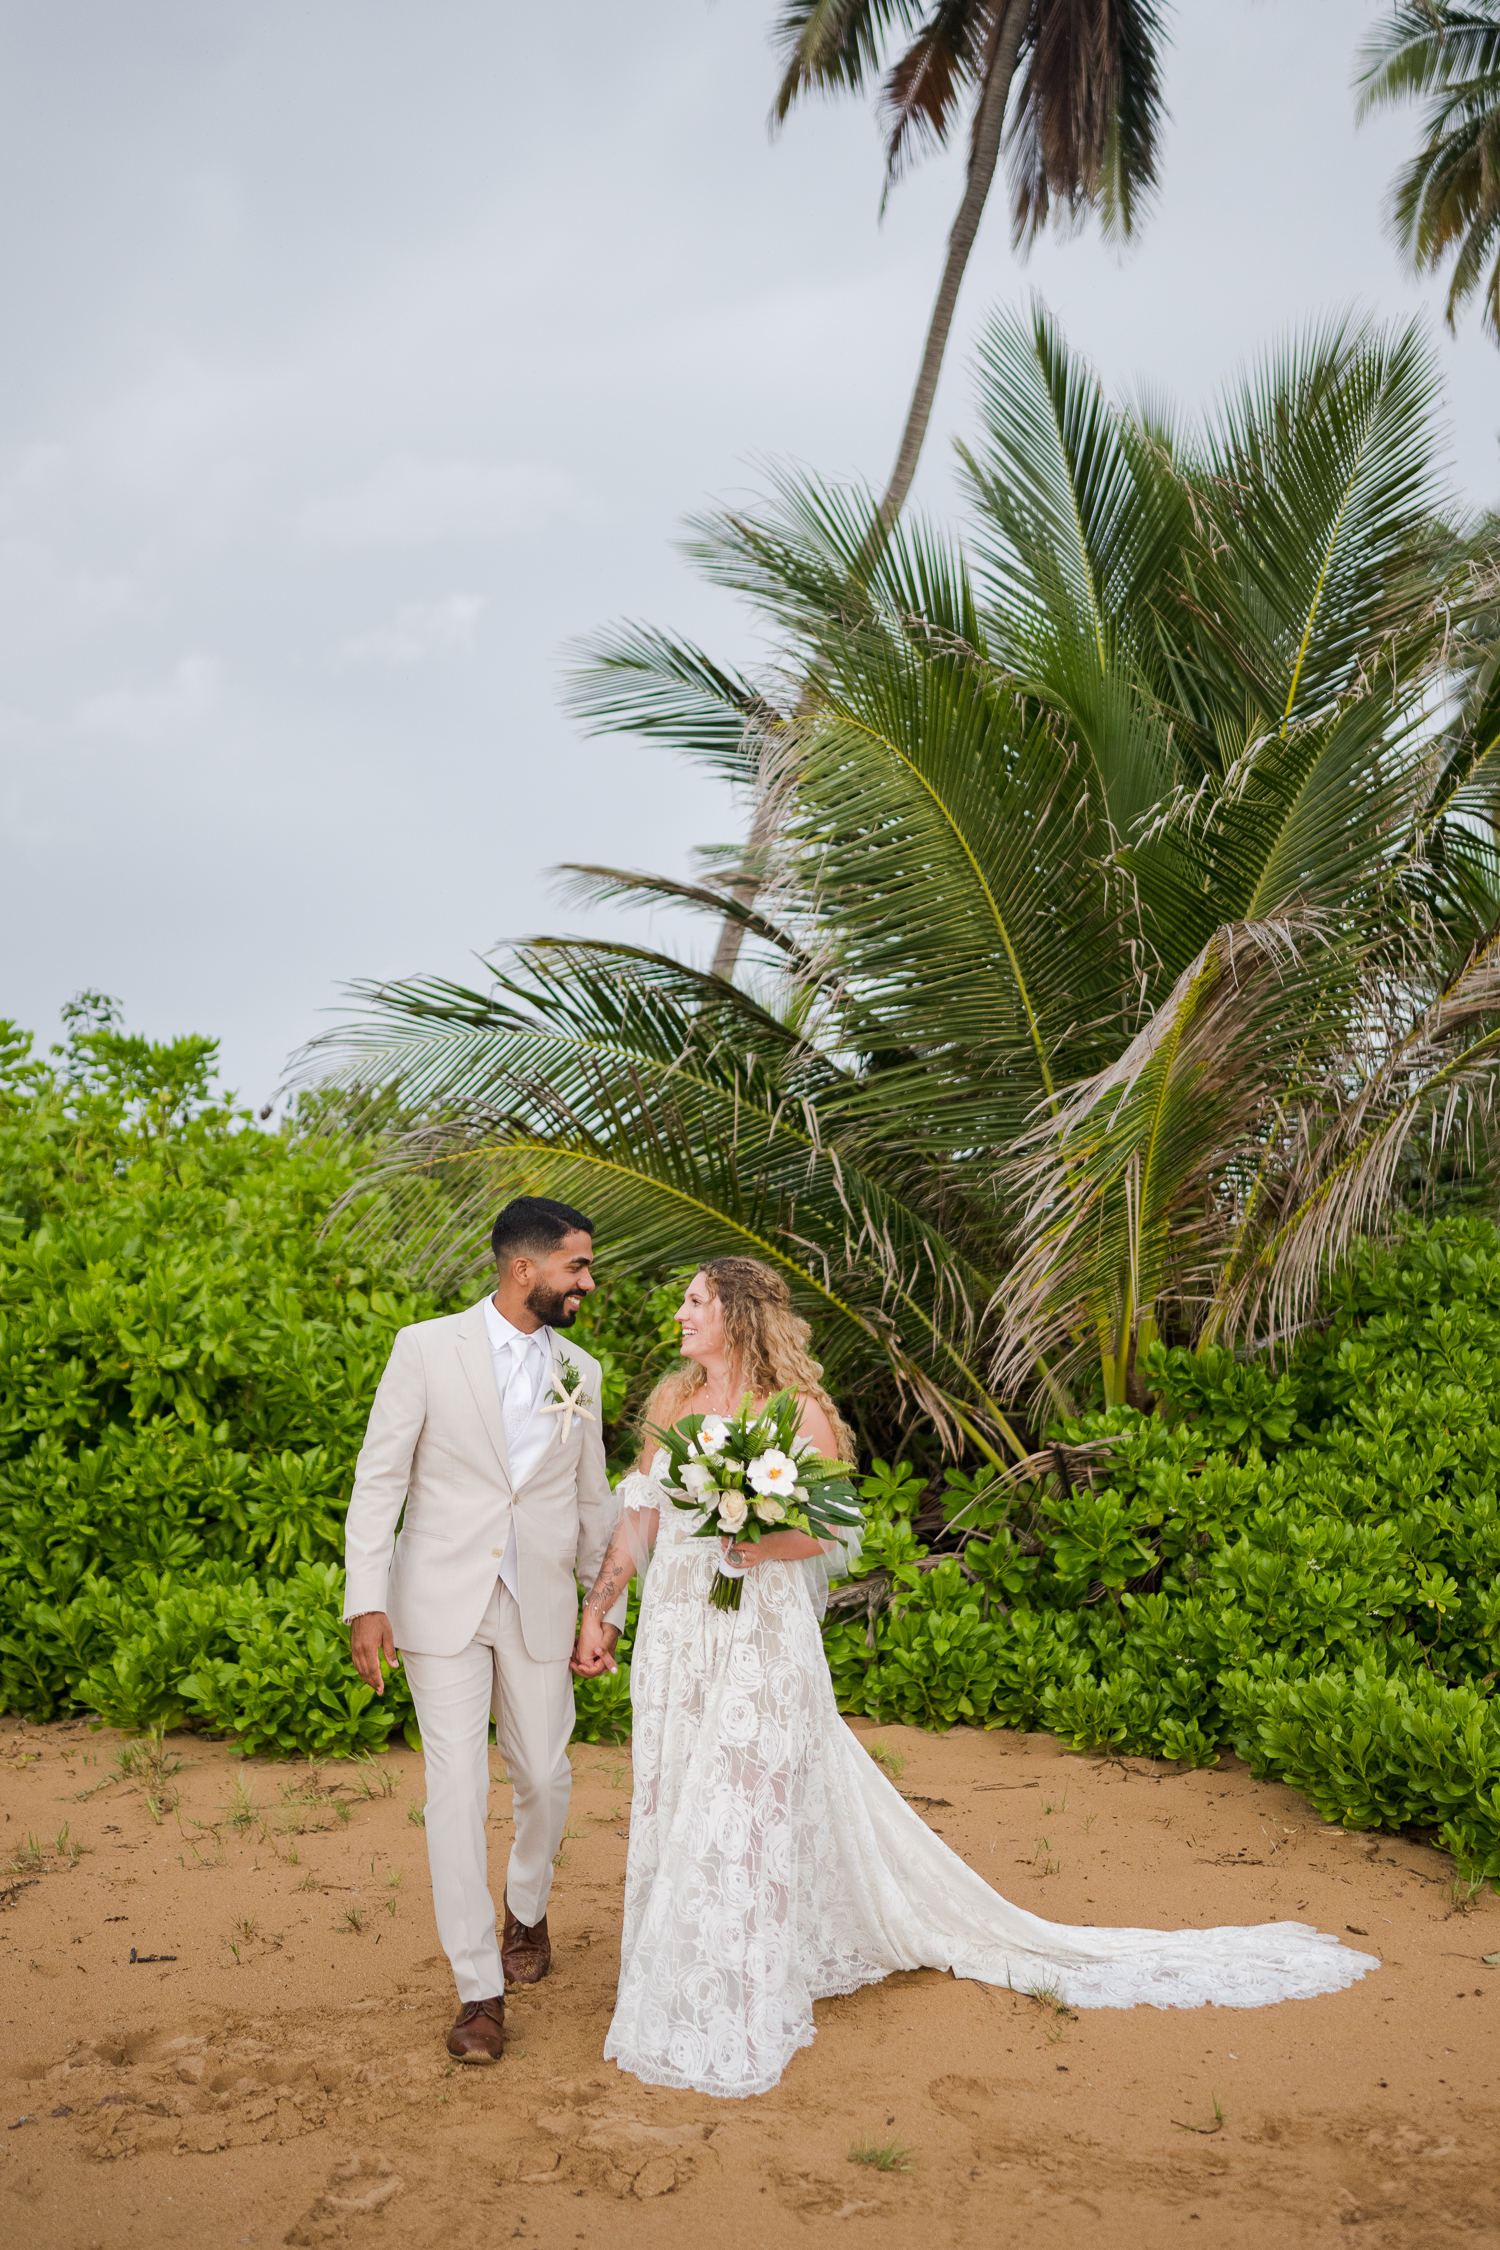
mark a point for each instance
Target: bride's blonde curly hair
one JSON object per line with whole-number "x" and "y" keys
{"x": 767, "y": 1344}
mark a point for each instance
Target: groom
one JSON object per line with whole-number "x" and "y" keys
{"x": 489, "y": 1430}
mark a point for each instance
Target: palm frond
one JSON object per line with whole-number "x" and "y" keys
{"x": 1087, "y": 118}
{"x": 1331, "y": 499}
{"x": 1056, "y": 490}
{"x": 636, "y": 680}
{"x": 834, "y": 46}
{"x": 607, "y": 885}
{"x": 939, "y": 835}
{"x": 1425, "y": 44}
{"x": 925, "y": 86}
{"x": 1082, "y": 516}
{"x": 589, "y": 1070}
{"x": 1438, "y": 1072}
{"x": 1446, "y": 201}
{"x": 1129, "y": 1187}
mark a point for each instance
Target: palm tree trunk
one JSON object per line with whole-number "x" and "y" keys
{"x": 744, "y": 884}
{"x": 984, "y": 154}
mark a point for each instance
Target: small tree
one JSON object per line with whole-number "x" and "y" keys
{"x": 1132, "y": 910}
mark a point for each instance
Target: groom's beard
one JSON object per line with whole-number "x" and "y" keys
{"x": 550, "y": 1309}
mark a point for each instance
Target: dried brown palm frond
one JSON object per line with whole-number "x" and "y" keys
{"x": 1210, "y": 1180}
{"x": 1085, "y": 124}
{"x": 1133, "y": 1187}
{"x": 926, "y": 85}
{"x": 1437, "y": 1073}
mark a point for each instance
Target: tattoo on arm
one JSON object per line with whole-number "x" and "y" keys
{"x": 615, "y": 1574}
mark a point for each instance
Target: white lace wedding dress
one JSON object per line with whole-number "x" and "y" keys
{"x": 772, "y": 1864}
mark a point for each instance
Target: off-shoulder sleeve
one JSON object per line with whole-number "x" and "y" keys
{"x": 638, "y": 1498}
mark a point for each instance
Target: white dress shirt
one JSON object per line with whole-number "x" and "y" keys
{"x": 521, "y": 1363}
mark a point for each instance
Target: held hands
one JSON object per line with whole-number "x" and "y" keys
{"x": 370, "y": 1638}
{"x": 594, "y": 1650}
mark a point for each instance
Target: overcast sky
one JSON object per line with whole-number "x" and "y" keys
{"x": 363, "y": 353}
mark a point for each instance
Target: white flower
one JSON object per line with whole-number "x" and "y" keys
{"x": 774, "y": 1472}
{"x": 695, "y": 1477}
{"x": 801, "y": 1492}
{"x": 712, "y": 1433}
{"x": 769, "y": 1511}
{"x": 804, "y": 1445}
{"x": 732, "y": 1511}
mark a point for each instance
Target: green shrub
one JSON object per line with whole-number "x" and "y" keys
{"x": 289, "y": 1688}
{"x": 1303, "y": 1565}
{"x": 187, "y": 1359}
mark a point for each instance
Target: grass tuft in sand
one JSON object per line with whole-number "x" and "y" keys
{"x": 881, "y": 2156}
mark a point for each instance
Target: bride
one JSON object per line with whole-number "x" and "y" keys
{"x": 771, "y": 1862}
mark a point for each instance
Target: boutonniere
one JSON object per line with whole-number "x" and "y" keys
{"x": 568, "y": 1397}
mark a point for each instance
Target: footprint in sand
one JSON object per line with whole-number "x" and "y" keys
{"x": 364, "y": 2183}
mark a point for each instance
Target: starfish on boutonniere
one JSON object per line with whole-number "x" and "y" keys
{"x": 567, "y": 1397}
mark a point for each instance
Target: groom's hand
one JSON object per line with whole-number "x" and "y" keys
{"x": 594, "y": 1650}
{"x": 370, "y": 1638}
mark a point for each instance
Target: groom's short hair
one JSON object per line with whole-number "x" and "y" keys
{"x": 534, "y": 1223}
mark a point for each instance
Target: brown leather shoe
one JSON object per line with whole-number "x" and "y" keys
{"x": 478, "y": 2036}
{"x": 525, "y": 1950}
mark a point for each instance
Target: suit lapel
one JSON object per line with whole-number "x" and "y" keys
{"x": 479, "y": 1367}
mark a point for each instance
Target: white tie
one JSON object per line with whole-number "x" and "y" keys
{"x": 519, "y": 1390}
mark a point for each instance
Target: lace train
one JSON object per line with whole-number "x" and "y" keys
{"x": 772, "y": 1864}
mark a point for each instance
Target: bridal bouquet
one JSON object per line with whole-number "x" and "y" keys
{"x": 750, "y": 1473}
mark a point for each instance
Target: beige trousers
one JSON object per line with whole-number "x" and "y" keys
{"x": 532, "y": 1705}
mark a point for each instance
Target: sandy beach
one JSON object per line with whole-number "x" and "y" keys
{"x": 224, "y": 2019}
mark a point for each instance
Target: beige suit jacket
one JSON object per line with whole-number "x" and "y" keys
{"x": 435, "y": 1444}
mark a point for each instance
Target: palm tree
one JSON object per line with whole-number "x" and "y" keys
{"x": 1082, "y": 131}
{"x": 1082, "y": 134}
{"x": 1133, "y": 898}
{"x": 1447, "y": 200}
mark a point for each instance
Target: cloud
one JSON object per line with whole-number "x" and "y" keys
{"x": 190, "y": 695}
{"x": 407, "y": 502}
{"x": 419, "y": 629}
{"x": 34, "y": 484}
